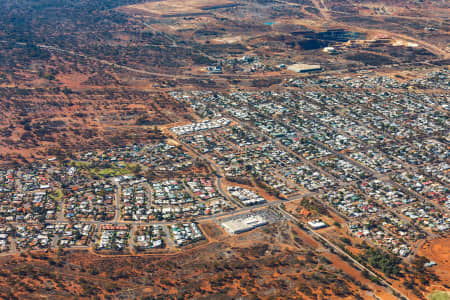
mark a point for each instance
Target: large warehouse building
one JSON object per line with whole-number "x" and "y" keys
{"x": 246, "y": 223}
{"x": 303, "y": 68}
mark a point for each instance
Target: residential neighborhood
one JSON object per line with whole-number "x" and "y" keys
{"x": 384, "y": 170}
{"x": 225, "y": 149}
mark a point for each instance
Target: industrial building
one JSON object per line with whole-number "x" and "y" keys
{"x": 330, "y": 50}
{"x": 303, "y": 68}
{"x": 244, "y": 224}
{"x": 317, "y": 224}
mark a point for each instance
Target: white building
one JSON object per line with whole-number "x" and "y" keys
{"x": 245, "y": 224}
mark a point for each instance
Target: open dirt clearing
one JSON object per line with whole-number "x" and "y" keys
{"x": 175, "y": 7}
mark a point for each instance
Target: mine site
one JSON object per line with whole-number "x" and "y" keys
{"x": 252, "y": 149}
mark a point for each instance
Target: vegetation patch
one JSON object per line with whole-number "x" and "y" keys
{"x": 439, "y": 295}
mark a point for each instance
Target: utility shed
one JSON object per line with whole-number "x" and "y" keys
{"x": 303, "y": 68}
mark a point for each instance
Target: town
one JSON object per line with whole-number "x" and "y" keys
{"x": 378, "y": 160}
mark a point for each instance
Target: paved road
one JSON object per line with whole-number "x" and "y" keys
{"x": 117, "y": 196}
{"x": 60, "y": 212}
{"x": 368, "y": 170}
{"x": 431, "y": 48}
{"x": 149, "y": 192}
{"x": 133, "y": 224}
{"x": 219, "y": 173}
{"x": 337, "y": 249}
